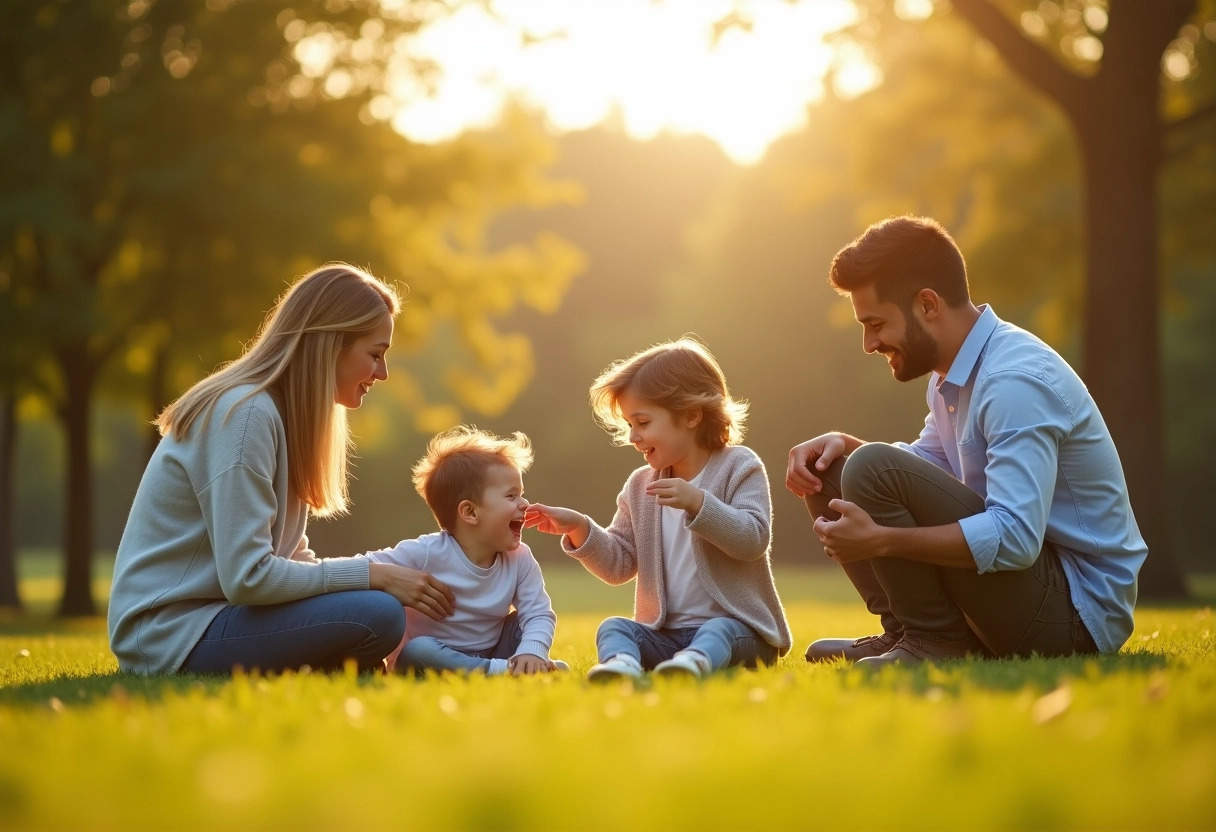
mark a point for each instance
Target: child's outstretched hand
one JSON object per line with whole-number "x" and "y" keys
{"x": 557, "y": 520}
{"x": 677, "y": 493}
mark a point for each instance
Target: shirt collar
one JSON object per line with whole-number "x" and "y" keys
{"x": 973, "y": 346}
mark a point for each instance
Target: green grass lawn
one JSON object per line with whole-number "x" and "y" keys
{"x": 1121, "y": 742}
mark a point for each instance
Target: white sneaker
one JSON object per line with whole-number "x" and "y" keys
{"x": 498, "y": 667}
{"x": 686, "y": 664}
{"x": 620, "y": 666}
{"x": 559, "y": 665}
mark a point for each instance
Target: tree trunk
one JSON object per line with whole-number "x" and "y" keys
{"x": 79, "y": 375}
{"x": 10, "y": 597}
{"x": 1120, "y": 138}
{"x": 1117, "y": 119}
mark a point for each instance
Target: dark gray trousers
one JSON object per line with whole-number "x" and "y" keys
{"x": 1014, "y": 613}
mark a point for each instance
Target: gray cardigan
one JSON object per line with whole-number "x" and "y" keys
{"x": 731, "y": 538}
{"x": 213, "y": 524}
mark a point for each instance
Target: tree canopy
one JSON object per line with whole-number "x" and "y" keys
{"x": 170, "y": 168}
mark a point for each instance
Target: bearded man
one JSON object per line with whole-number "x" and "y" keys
{"x": 1005, "y": 529}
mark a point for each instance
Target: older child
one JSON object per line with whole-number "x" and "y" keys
{"x": 693, "y": 524}
{"x": 473, "y": 483}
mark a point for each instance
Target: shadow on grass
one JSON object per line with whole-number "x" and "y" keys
{"x": 117, "y": 686}
{"x": 1010, "y": 674}
{"x": 954, "y": 678}
{"x": 89, "y": 689}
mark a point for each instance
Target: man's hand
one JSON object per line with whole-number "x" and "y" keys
{"x": 526, "y": 664}
{"x": 816, "y": 455}
{"x": 557, "y": 520}
{"x": 677, "y": 493}
{"x": 854, "y": 536}
{"x": 413, "y": 588}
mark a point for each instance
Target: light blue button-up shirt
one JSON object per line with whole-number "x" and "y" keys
{"x": 1015, "y": 424}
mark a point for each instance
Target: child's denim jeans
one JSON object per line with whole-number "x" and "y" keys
{"x": 426, "y": 653}
{"x": 727, "y": 642}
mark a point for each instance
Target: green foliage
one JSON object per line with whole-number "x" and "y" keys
{"x": 1114, "y": 742}
{"x": 952, "y": 132}
{"x": 171, "y": 167}
{"x": 175, "y": 170}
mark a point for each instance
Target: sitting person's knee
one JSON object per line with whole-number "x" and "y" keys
{"x": 616, "y": 624}
{"x": 865, "y": 463}
{"x": 385, "y": 615}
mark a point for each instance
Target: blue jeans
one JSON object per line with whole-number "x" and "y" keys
{"x": 427, "y": 653}
{"x": 321, "y": 632}
{"x": 726, "y": 642}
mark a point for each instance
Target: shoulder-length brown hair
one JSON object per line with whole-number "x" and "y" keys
{"x": 680, "y": 376}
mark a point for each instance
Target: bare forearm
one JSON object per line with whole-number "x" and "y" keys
{"x": 938, "y": 545}
{"x": 851, "y": 443}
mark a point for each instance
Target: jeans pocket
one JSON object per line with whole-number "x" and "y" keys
{"x": 1082, "y": 641}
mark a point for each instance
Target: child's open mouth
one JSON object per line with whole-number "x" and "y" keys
{"x": 517, "y": 527}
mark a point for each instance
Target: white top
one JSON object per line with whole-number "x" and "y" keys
{"x": 688, "y": 603}
{"x": 484, "y": 596}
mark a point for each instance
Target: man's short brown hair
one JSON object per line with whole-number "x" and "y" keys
{"x": 900, "y": 256}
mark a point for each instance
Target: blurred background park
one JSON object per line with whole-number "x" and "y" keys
{"x": 560, "y": 183}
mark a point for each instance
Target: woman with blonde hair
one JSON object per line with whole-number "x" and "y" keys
{"x": 214, "y": 570}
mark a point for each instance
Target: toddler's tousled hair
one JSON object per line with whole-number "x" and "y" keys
{"x": 678, "y": 376}
{"x": 454, "y": 467}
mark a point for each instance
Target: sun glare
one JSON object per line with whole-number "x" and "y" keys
{"x": 656, "y": 67}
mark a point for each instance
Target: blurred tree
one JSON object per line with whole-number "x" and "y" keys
{"x": 171, "y": 166}
{"x": 24, "y": 370}
{"x": 9, "y": 596}
{"x": 1116, "y": 114}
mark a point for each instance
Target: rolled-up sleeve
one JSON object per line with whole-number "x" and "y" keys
{"x": 1023, "y": 420}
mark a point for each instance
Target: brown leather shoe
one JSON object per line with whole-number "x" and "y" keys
{"x": 853, "y": 649}
{"x": 912, "y": 650}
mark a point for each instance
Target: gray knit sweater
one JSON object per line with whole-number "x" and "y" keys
{"x": 214, "y": 523}
{"x": 731, "y": 538}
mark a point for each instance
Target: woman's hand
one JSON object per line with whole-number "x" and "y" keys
{"x": 413, "y": 588}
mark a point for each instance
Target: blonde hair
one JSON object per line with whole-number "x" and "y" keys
{"x": 454, "y": 467}
{"x": 679, "y": 376}
{"x": 294, "y": 356}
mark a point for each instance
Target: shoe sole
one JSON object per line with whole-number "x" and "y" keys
{"x": 677, "y": 673}
{"x": 603, "y": 676}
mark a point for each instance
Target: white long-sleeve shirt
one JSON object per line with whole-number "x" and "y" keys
{"x": 484, "y": 595}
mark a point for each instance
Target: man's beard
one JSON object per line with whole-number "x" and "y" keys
{"x": 918, "y": 350}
